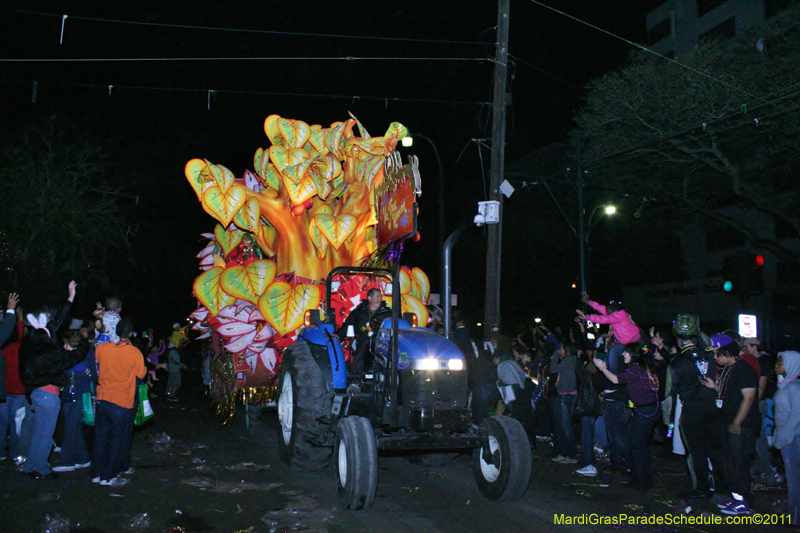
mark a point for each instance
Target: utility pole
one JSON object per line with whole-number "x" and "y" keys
{"x": 494, "y": 245}
{"x": 579, "y": 184}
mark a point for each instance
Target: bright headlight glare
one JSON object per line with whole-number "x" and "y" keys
{"x": 455, "y": 364}
{"x": 426, "y": 364}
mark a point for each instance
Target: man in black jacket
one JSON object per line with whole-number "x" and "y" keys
{"x": 45, "y": 358}
{"x": 365, "y": 319}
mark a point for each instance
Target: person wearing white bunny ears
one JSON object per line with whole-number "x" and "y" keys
{"x": 44, "y": 360}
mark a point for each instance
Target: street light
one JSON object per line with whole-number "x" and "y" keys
{"x": 408, "y": 141}
{"x": 584, "y": 232}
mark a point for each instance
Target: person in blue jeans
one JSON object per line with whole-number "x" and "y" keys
{"x": 74, "y": 449}
{"x": 590, "y": 408}
{"x": 563, "y": 363}
{"x": 44, "y": 360}
{"x": 641, "y": 382}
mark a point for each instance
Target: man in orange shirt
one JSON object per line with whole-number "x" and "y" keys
{"x": 119, "y": 364}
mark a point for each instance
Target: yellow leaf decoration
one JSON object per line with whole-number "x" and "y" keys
{"x": 412, "y": 304}
{"x": 335, "y": 228}
{"x": 283, "y": 157}
{"x": 296, "y": 132}
{"x": 323, "y": 187}
{"x": 284, "y": 306}
{"x": 374, "y": 146}
{"x": 333, "y": 139}
{"x": 265, "y": 238}
{"x": 249, "y": 281}
{"x": 249, "y": 216}
{"x": 224, "y": 205}
{"x": 270, "y": 175}
{"x": 302, "y": 192}
{"x": 227, "y": 240}
{"x": 297, "y": 172}
{"x": 405, "y": 281}
{"x": 421, "y": 288}
{"x": 208, "y": 290}
{"x": 317, "y": 139}
{"x": 224, "y": 177}
{"x": 199, "y": 177}
{"x": 320, "y": 242}
{"x": 328, "y": 167}
{"x": 272, "y": 131}
{"x": 396, "y": 130}
{"x": 259, "y": 156}
{"x": 368, "y": 169}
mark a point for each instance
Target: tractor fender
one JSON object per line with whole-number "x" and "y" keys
{"x": 331, "y": 358}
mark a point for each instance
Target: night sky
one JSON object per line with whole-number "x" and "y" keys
{"x": 434, "y": 76}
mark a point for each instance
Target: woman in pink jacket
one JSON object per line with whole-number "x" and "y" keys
{"x": 622, "y": 325}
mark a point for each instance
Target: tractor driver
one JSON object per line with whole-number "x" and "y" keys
{"x": 365, "y": 319}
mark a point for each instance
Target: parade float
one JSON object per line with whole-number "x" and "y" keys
{"x": 312, "y": 202}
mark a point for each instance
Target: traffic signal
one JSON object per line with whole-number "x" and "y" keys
{"x": 743, "y": 273}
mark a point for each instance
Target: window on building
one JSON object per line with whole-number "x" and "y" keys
{"x": 704, "y": 6}
{"x": 660, "y": 31}
{"x": 787, "y": 273}
{"x": 724, "y": 238}
{"x": 724, "y": 31}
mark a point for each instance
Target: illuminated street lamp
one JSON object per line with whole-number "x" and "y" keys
{"x": 583, "y": 237}
{"x": 408, "y": 141}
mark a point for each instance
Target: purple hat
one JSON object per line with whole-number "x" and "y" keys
{"x": 718, "y": 341}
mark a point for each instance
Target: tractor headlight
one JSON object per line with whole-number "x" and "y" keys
{"x": 437, "y": 364}
{"x": 455, "y": 364}
{"x": 426, "y": 364}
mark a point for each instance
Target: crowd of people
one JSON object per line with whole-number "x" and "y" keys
{"x": 46, "y": 372}
{"x": 607, "y": 386}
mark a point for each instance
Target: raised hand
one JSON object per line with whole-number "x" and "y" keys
{"x": 72, "y": 285}
{"x": 13, "y": 300}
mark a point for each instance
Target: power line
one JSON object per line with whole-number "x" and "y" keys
{"x": 308, "y": 58}
{"x": 387, "y": 99}
{"x": 534, "y": 67}
{"x": 247, "y": 30}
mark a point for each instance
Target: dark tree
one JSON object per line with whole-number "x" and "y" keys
{"x": 64, "y": 212}
{"x": 719, "y": 130}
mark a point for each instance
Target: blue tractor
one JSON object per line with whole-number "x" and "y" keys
{"x": 413, "y": 397}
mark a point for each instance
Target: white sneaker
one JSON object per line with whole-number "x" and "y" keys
{"x": 115, "y": 482}
{"x": 588, "y": 470}
{"x": 83, "y": 465}
{"x": 128, "y": 472}
{"x": 96, "y": 479}
{"x": 63, "y": 468}
{"x": 558, "y": 459}
{"x": 569, "y": 461}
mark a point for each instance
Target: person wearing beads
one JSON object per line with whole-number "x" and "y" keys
{"x": 736, "y": 386}
{"x": 641, "y": 381}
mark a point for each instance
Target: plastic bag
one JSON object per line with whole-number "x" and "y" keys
{"x": 144, "y": 410}
{"x": 88, "y": 404}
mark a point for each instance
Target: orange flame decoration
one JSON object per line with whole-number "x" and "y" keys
{"x": 309, "y": 205}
